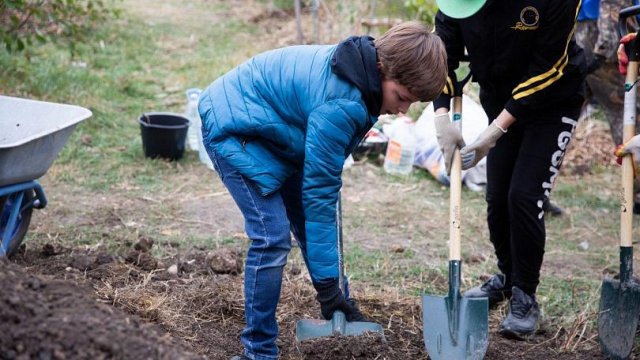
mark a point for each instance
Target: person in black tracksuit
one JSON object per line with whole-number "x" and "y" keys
{"x": 531, "y": 76}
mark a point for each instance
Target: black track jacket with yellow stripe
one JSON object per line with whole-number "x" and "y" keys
{"x": 522, "y": 54}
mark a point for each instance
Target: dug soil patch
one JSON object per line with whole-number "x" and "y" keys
{"x": 135, "y": 312}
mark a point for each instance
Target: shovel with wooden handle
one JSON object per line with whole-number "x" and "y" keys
{"x": 455, "y": 327}
{"x": 620, "y": 298}
{"x": 338, "y": 325}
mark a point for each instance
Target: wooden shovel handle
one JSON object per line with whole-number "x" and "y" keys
{"x": 455, "y": 189}
{"x": 628, "y": 131}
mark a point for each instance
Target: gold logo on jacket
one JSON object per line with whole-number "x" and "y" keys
{"x": 529, "y": 18}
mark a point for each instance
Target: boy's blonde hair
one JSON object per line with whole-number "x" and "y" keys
{"x": 414, "y": 57}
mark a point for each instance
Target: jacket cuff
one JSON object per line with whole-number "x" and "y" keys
{"x": 443, "y": 101}
{"x": 322, "y": 252}
{"x": 515, "y": 108}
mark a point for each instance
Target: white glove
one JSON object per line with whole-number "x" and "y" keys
{"x": 472, "y": 154}
{"x": 449, "y": 139}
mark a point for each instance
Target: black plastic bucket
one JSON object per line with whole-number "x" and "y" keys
{"x": 163, "y": 134}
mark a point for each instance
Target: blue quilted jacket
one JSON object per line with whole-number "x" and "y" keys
{"x": 285, "y": 111}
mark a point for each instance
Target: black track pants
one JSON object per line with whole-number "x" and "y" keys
{"x": 521, "y": 169}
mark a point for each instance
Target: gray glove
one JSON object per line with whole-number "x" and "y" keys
{"x": 449, "y": 139}
{"x": 472, "y": 154}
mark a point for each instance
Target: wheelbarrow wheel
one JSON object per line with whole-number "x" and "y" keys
{"x": 22, "y": 222}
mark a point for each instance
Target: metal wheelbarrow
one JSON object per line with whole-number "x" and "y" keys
{"x": 32, "y": 133}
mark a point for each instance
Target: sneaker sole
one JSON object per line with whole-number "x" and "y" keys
{"x": 515, "y": 335}
{"x": 493, "y": 301}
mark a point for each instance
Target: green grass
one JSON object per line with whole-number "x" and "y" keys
{"x": 130, "y": 73}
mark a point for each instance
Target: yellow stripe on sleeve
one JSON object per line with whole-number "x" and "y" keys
{"x": 543, "y": 85}
{"x": 553, "y": 71}
{"x": 550, "y": 76}
{"x": 448, "y": 87}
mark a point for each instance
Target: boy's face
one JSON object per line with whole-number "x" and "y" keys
{"x": 396, "y": 98}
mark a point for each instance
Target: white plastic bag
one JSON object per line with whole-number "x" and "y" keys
{"x": 428, "y": 154}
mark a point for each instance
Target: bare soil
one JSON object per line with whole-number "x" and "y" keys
{"x": 43, "y": 318}
{"x": 88, "y": 303}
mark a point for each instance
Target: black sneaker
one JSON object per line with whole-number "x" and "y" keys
{"x": 551, "y": 208}
{"x": 240, "y": 357}
{"x": 522, "y": 319}
{"x": 495, "y": 289}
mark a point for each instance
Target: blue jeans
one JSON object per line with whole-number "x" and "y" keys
{"x": 268, "y": 222}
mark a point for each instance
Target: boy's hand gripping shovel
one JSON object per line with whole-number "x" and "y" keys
{"x": 620, "y": 298}
{"x": 455, "y": 327}
{"x": 338, "y": 325}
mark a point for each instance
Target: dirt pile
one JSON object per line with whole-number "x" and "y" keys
{"x": 54, "y": 319}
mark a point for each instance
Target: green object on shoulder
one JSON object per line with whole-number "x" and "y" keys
{"x": 460, "y": 9}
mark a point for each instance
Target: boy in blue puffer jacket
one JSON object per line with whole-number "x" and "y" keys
{"x": 278, "y": 129}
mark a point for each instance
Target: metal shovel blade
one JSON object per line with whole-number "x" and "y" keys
{"x": 618, "y": 317}
{"x": 461, "y": 334}
{"x": 338, "y": 325}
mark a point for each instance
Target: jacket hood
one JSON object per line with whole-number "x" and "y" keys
{"x": 355, "y": 60}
